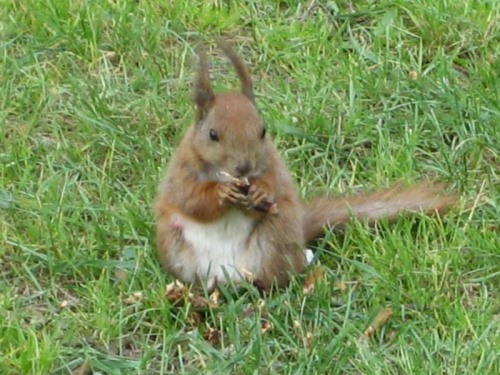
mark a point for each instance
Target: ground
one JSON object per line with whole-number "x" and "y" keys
{"x": 96, "y": 95}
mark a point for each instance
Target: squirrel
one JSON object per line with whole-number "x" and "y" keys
{"x": 228, "y": 208}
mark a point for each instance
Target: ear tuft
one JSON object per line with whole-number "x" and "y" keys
{"x": 241, "y": 69}
{"x": 203, "y": 95}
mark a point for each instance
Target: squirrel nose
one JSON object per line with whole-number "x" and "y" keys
{"x": 243, "y": 168}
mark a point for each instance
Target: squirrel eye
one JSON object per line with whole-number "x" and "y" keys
{"x": 263, "y": 133}
{"x": 213, "y": 135}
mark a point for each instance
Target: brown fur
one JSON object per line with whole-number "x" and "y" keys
{"x": 426, "y": 197}
{"x": 203, "y": 94}
{"x": 241, "y": 69}
{"x": 228, "y": 136}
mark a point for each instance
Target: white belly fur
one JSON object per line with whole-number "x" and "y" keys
{"x": 221, "y": 247}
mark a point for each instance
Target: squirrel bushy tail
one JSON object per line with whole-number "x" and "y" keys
{"x": 334, "y": 212}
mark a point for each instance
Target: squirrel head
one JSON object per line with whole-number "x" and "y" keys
{"x": 229, "y": 135}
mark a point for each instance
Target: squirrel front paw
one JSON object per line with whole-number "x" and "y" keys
{"x": 230, "y": 193}
{"x": 257, "y": 195}
{"x": 260, "y": 200}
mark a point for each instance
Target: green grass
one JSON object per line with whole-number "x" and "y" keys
{"x": 96, "y": 95}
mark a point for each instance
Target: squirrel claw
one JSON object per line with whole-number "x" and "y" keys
{"x": 259, "y": 200}
{"x": 256, "y": 195}
{"x": 230, "y": 194}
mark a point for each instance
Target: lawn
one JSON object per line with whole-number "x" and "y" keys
{"x": 95, "y": 96}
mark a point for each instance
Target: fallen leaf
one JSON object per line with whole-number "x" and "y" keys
{"x": 135, "y": 297}
{"x": 315, "y": 275}
{"x": 339, "y": 285}
{"x": 214, "y": 297}
{"x": 378, "y": 322}
{"x": 175, "y": 291}
{"x": 199, "y": 301}
{"x": 194, "y": 318}
{"x": 266, "y": 326}
{"x": 173, "y": 286}
{"x": 211, "y": 335}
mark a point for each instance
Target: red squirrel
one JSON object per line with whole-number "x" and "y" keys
{"x": 228, "y": 207}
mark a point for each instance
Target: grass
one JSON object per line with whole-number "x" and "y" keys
{"x": 95, "y": 97}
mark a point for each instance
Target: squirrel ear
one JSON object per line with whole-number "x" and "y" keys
{"x": 241, "y": 69}
{"x": 203, "y": 95}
